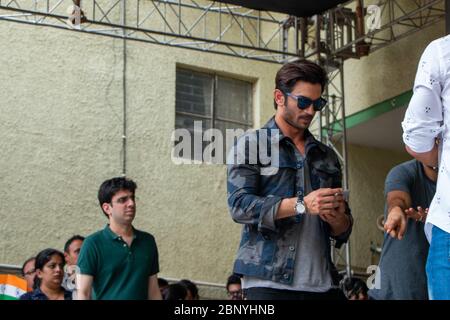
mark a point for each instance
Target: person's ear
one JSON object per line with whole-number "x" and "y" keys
{"x": 39, "y": 273}
{"x": 106, "y": 208}
{"x": 279, "y": 98}
{"x": 66, "y": 257}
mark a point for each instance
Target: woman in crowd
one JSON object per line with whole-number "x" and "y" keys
{"x": 49, "y": 267}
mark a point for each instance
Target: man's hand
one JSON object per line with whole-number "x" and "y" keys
{"x": 324, "y": 201}
{"x": 420, "y": 215}
{"x": 395, "y": 224}
{"x": 338, "y": 220}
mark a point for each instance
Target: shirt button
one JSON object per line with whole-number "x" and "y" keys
{"x": 285, "y": 276}
{"x": 299, "y": 165}
{"x": 291, "y": 248}
{"x": 124, "y": 245}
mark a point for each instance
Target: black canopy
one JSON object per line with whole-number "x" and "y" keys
{"x": 299, "y": 8}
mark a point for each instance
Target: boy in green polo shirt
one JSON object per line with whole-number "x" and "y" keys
{"x": 118, "y": 262}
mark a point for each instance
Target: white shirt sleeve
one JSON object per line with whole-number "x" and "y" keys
{"x": 423, "y": 118}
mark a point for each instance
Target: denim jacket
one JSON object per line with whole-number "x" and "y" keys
{"x": 267, "y": 247}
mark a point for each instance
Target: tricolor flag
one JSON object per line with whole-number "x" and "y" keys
{"x": 12, "y": 287}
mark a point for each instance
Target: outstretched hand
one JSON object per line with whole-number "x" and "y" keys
{"x": 395, "y": 224}
{"x": 420, "y": 215}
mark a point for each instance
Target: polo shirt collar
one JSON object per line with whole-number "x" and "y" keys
{"x": 113, "y": 236}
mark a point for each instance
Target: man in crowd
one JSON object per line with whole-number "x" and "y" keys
{"x": 119, "y": 262}
{"x": 72, "y": 249}
{"x": 29, "y": 272}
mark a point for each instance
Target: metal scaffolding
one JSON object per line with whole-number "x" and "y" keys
{"x": 211, "y": 26}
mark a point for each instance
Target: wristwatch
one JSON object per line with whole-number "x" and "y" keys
{"x": 300, "y": 206}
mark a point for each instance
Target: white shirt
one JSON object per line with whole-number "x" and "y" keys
{"x": 428, "y": 117}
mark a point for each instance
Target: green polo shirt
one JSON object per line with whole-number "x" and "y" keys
{"x": 120, "y": 272}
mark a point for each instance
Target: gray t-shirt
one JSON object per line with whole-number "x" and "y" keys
{"x": 312, "y": 267}
{"x": 402, "y": 262}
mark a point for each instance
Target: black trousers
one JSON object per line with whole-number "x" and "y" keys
{"x": 260, "y": 293}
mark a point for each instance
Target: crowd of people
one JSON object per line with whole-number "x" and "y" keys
{"x": 50, "y": 276}
{"x": 118, "y": 262}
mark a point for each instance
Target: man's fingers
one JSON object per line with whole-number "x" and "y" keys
{"x": 412, "y": 213}
{"x": 402, "y": 230}
{"x": 394, "y": 229}
{"x": 329, "y": 192}
{"x": 393, "y": 234}
{"x": 419, "y": 215}
{"x": 328, "y": 206}
{"x": 325, "y": 212}
{"x": 331, "y": 215}
{"x": 421, "y": 211}
{"x": 389, "y": 225}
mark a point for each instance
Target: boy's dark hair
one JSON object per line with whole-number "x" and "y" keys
{"x": 162, "y": 283}
{"x": 190, "y": 286}
{"x": 41, "y": 259}
{"x": 175, "y": 291}
{"x": 111, "y": 186}
{"x": 25, "y": 263}
{"x": 353, "y": 286}
{"x": 302, "y": 70}
{"x": 233, "y": 279}
{"x": 72, "y": 239}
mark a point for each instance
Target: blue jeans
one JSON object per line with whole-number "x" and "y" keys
{"x": 438, "y": 265}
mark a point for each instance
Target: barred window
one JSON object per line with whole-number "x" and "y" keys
{"x": 218, "y": 102}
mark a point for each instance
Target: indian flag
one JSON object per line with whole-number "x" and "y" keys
{"x": 11, "y": 287}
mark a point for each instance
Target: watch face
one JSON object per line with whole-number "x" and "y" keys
{"x": 300, "y": 208}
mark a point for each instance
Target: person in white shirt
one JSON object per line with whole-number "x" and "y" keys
{"x": 425, "y": 134}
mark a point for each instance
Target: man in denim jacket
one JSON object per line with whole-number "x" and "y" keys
{"x": 291, "y": 205}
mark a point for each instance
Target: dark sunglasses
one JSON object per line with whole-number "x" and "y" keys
{"x": 305, "y": 102}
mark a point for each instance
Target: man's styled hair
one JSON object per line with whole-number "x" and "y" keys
{"x": 302, "y": 70}
{"x": 72, "y": 239}
{"x": 111, "y": 186}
